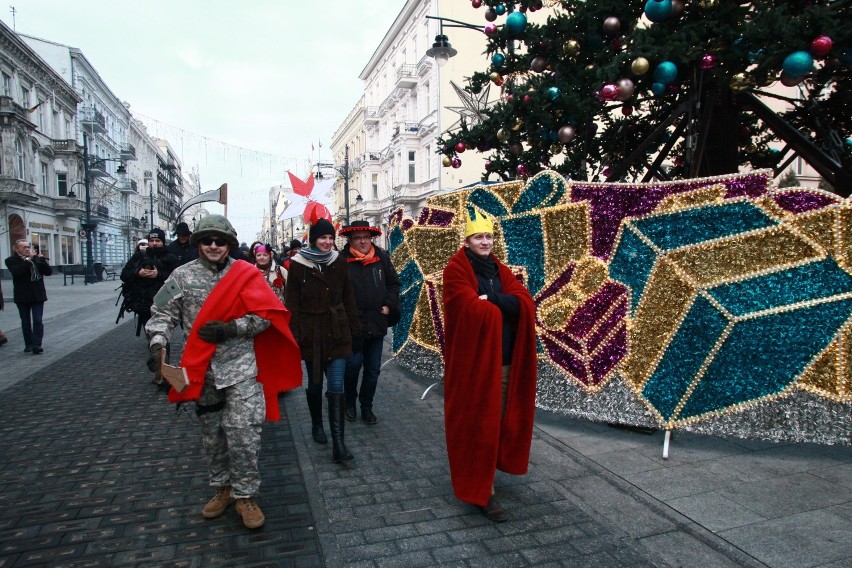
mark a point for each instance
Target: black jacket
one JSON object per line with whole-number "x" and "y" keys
{"x": 183, "y": 252}
{"x": 375, "y": 285}
{"x": 139, "y": 292}
{"x": 26, "y": 290}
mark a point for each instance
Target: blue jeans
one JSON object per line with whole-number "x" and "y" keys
{"x": 31, "y": 324}
{"x": 370, "y": 358}
{"x": 333, "y": 371}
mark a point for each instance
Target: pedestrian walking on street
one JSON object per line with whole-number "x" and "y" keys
{"x": 376, "y": 286}
{"x": 180, "y": 247}
{"x": 489, "y": 368}
{"x": 239, "y": 355}
{"x": 274, "y": 275}
{"x": 325, "y": 323}
{"x": 28, "y": 271}
{"x": 293, "y": 249}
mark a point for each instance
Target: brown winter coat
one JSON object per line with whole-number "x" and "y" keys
{"x": 323, "y": 313}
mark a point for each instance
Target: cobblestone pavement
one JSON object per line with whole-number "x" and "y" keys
{"x": 97, "y": 469}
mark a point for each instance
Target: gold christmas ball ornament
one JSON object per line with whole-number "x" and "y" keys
{"x": 496, "y": 77}
{"x": 708, "y": 4}
{"x": 446, "y": 161}
{"x": 571, "y": 47}
{"x": 502, "y": 135}
{"x": 640, "y": 66}
{"x": 741, "y": 82}
{"x": 555, "y": 149}
{"x": 518, "y": 125}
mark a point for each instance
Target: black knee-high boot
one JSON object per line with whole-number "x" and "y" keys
{"x": 315, "y": 406}
{"x": 335, "y": 423}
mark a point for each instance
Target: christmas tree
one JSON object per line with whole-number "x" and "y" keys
{"x": 621, "y": 89}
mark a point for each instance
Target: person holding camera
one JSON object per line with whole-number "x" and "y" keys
{"x": 144, "y": 274}
{"x": 28, "y": 270}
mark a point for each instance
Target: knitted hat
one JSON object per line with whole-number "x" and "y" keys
{"x": 295, "y": 244}
{"x": 182, "y": 229}
{"x": 142, "y": 242}
{"x": 320, "y": 228}
{"x": 360, "y": 226}
{"x": 157, "y": 233}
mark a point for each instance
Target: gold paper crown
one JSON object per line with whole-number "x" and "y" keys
{"x": 477, "y": 222}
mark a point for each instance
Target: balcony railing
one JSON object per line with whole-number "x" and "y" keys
{"x": 128, "y": 186}
{"x": 128, "y": 152}
{"x": 65, "y": 146}
{"x": 92, "y": 120}
{"x": 101, "y": 211}
{"x": 68, "y": 207}
{"x": 406, "y": 128}
{"x": 371, "y": 115}
{"x": 406, "y": 76}
{"x": 8, "y": 106}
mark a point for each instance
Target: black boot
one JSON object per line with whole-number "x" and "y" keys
{"x": 315, "y": 406}
{"x": 336, "y": 422}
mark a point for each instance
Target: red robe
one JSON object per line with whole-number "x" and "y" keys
{"x": 279, "y": 364}
{"x": 478, "y": 441}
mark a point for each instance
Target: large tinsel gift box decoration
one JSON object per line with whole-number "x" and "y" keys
{"x": 730, "y": 306}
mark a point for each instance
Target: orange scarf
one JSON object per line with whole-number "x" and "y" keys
{"x": 366, "y": 259}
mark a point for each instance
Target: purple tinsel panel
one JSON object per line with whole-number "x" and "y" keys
{"x": 436, "y": 217}
{"x": 611, "y": 355}
{"x": 616, "y": 317}
{"x": 750, "y": 185}
{"x": 407, "y": 223}
{"x": 801, "y": 201}
{"x": 435, "y": 309}
{"x": 594, "y": 308}
{"x": 555, "y": 286}
{"x": 569, "y": 362}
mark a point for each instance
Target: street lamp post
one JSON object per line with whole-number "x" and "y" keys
{"x": 345, "y": 172}
{"x": 89, "y": 226}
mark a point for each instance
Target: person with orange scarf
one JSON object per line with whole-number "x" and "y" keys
{"x": 239, "y": 355}
{"x": 376, "y": 287}
{"x": 490, "y": 368}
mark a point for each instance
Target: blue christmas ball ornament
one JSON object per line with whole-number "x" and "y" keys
{"x": 516, "y": 23}
{"x": 658, "y": 10}
{"x": 500, "y": 9}
{"x": 665, "y": 73}
{"x": 497, "y": 60}
{"x": 797, "y": 64}
{"x": 658, "y": 89}
{"x": 553, "y": 93}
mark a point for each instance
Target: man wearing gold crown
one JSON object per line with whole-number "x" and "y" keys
{"x": 489, "y": 368}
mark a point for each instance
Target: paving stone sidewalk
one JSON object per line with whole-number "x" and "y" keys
{"x": 97, "y": 469}
{"x": 394, "y": 506}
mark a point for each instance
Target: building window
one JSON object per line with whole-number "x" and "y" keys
{"x": 412, "y": 170}
{"x": 42, "y": 241}
{"x": 800, "y": 166}
{"x": 7, "y": 85}
{"x": 19, "y": 155}
{"x": 62, "y": 185}
{"x": 67, "y": 244}
{"x": 44, "y": 178}
{"x": 374, "y": 182}
{"x": 25, "y": 97}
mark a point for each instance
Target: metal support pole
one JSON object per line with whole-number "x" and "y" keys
{"x": 346, "y": 181}
{"x": 151, "y": 200}
{"x": 88, "y": 226}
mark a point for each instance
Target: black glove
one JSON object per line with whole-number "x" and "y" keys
{"x": 357, "y": 344}
{"x": 156, "y": 357}
{"x": 218, "y": 331}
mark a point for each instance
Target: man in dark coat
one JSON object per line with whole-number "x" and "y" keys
{"x": 180, "y": 247}
{"x": 376, "y": 287}
{"x": 28, "y": 272}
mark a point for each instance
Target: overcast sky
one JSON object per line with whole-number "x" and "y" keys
{"x": 270, "y": 76}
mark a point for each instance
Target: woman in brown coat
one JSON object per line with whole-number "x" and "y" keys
{"x": 324, "y": 321}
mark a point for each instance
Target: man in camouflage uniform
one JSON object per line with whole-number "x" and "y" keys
{"x": 231, "y": 407}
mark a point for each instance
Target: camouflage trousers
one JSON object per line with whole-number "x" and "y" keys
{"x": 231, "y": 436}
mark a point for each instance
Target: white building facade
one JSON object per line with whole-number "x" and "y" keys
{"x": 391, "y": 133}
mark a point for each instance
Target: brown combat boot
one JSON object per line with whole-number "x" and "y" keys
{"x": 250, "y": 513}
{"x": 218, "y": 504}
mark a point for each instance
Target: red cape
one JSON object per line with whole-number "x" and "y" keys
{"x": 279, "y": 366}
{"x": 478, "y": 442}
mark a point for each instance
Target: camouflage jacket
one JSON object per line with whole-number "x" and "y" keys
{"x": 182, "y": 295}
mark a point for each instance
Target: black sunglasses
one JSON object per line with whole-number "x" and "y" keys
{"x": 220, "y": 241}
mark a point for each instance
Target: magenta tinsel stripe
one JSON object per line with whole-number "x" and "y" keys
{"x": 593, "y": 309}
{"x": 441, "y": 218}
{"x": 435, "y": 310}
{"x": 608, "y": 357}
{"x": 615, "y": 318}
{"x": 801, "y": 201}
{"x": 565, "y": 360}
{"x": 567, "y": 339}
{"x": 751, "y": 185}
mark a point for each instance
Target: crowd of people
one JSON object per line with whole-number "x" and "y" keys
{"x": 252, "y": 320}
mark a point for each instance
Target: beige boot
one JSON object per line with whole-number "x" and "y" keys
{"x": 218, "y": 504}
{"x": 250, "y": 513}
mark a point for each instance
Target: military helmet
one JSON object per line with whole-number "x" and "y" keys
{"x": 214, "y": 225}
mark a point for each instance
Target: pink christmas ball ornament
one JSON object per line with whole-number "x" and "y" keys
{"x": 456, "y": 163}
{"x": 609, "y": 92}
{"x": 460, "y": 147}
{"x": 522, "y": 170}
{"x": 490, "y": 29}
{"x": 626, "y": 87}
{"x": 476, "y": 3}
{"x": 821, "y": 45}
{"x": 708, "y": 61}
